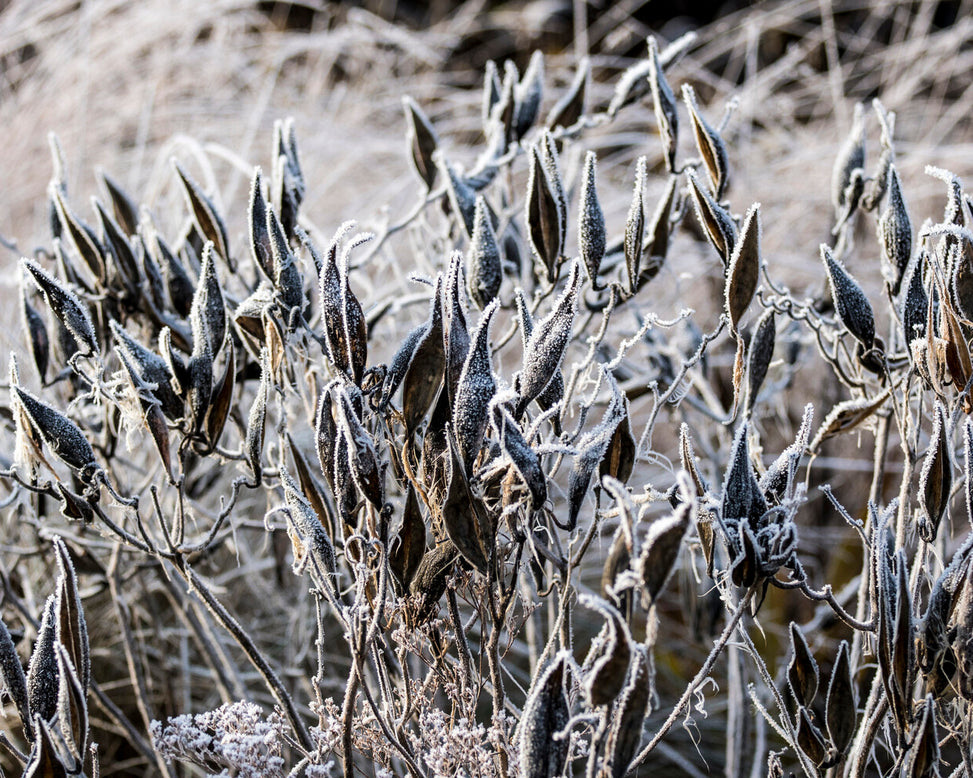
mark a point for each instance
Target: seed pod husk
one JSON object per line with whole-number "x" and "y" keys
{"x": 205, "y": 216}
{"x": 72, "y": 707}
{"x": 208, "y": 313}
{"x": 710, "y": 144}
{"x": 260, "y": 247}
{"x": 422, "y": 141}
{"x": 527, "y": 96}
{"x": 126, "y": 209}
{"x": 633, "y": 706}
{"x": 802, "y": 671}
{"x": 150, "y": 368}
{"x": 463, "y": 517}
{"x": 571, "y": 106}
{"x": 256, "y": 419}
{"x": 66, "y": 306}
{"x": 660, "y": 550}
{"x": 853, "y": 307}
{"x": 523, "y": 457}
{"x": 401, "y": 362}
{"x": 619, "y": 459}
{"x": 903, "y": 649}
{"x": 664, "y": 105}
{"x": 810, "y": 739}
{"x": 424, "y": 377}
{"x": 311, "y": 544}
{"x": 81, "y": 236}
{"x": 543, "y": 216}
{"x": 635, "y": 228}
{"x": 344, "y": 323}
{"x": 44, "y": 760}
{"x": 742, "y": 498}
{"x": 545, "y": 713}
{"x": 429, "y": 583}
{"x": 846, "y": 416}
{"x": 840, "y": 709}
{"x": 935, "y": 479}
{"x": 474, "y": 390}
{"x": 362, "y": 456}
{"x": 592, "y": 236}
{"x": 222, "y": 400}
{"x": 484, "y": 268}
{"x": 288, "y": 182}
{"x": 924, "y": 759}
{"x": 850, "y": 157}
{"x": 12, "y": 679}
{"x": 119, "y": 250}
{"x": 409, "y": 544}
{"x": 462, "y": 196}
{"x": 286, "y": 275}
{"x": 33, "y": 324}
{"x": 609, "y": 658}
{"x": 743, "y": 273}
{"x": 456, "y": 337}
{"x": 548, "y": 341}
{"x": 895, "y": 231}
{"x": 657, "y": 248}
{"x": 553, "y": 393}
{"x": 714, "y": 219}
{"x": 178, "y": 284}
{"x": 62, "y": 436}
{"x": 200, "y": 368}
{"x": 761, "y": 353}
{"x": 42, "y": 675}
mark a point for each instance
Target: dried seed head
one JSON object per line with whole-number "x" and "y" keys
{"x": 592, "y": 237}
{"x": 422, "y": 141}
{"x": 895, "y": 231}
{"x": 710, "y": 144}
{"x": 66, "y": 306}
{"x": 635, "y": 228}
{"x": 850, "y": 301}
{"x": 484, "y": 267}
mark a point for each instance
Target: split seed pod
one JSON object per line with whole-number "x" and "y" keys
{"x": 664, "y": 105}
{"x": 935, "y": 480}
{"x": 610, "y": 655}
{"x": 66, "y": 306}
{"x": 422, "y": 141}
{"x": 710, "y": 144}
{"x": 208, "y": 221}
{"x": 544, "y": 215}
{"x": 802, "y": 671}
{"x": 474, "y": 391}
{"x": 714, "y": 219}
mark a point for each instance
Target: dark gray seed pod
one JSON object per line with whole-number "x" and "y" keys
{"x": 310, "y": 542}
{"x": 742, "y": 497}
{"x": 851, "y": 157}
{"x": 484, "y": 265}
{"x": 178, "y": 283}
{"x": 66, "y": 306}
{"x": 571, "y": 106}
{"x": 462, "y": 196}
{"x": 895, "y": 231}
{"x": 629, "y": 718}
{"x": 205, "y": 216}
{"x": 492, "y": 89}
{"x": 802, "y": 670}
{"x": 553, "y": 393}
{"x": 362, "y": 456}
{"x": 474, "y": 390}
{"x": 40, "y": 344}
{"x": 64, "y": 438}
{"x": 592, "y": 236}
{"x": 288, "y": 184}
{"x": 545, "y": 713}
{"x": 42, "y": 676}
{"x": 286, "y": 275}
{"x": 849, "y": 300}
{"x": 710, "y": 145}
{"x": 523, "y": 457}
{"x": 607, "y": 663}
{"x": 409, "y": 544}
{"x": 456, "y": 337}
{"x": 80, "y": 236}
{"x": 123, "y": 264}
{"x": 548, "y": 342}
{"x": 12, "y": 679}
{"x": 899, "y": 681}
{"x": 422, "y": 141}
{"x": 401, "y": 362}
{"x": 660, "y": 550}
{"x": 125, "y": 208}
{"x": 635, "y": 228}
{"x": 543, "y": 216}
{"x": 151, "y": 369}
{"x": 761, "y": 353}
{"x": 924, "y": 756}
{"x": 260, "y": 247}
{"x": 527, "y": 96}
{"x": 345, "y": 329}
{"x": 257, "y": 418}
{"x": 809, "y": 738}
{"x": 714, "y": 219}
{"x": 841, "y": 707}
{"x": 935, "y": 479}
{"x": 743, "y": 273}
{"x": 72, "y": 629}
{"x": 619, "y": 458}
{"x": 208, "y": 307}
{"x": 45, "y": 760}
{"x": 664, "y": 105}
{"x": 429, "y": 583}
{"x": 423, "y": 379}
{"x": 155, "y": 286}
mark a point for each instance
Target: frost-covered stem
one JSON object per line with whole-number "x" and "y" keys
{"x": 742, "y": 606}
{"x": 347, "y": 721}
{"x": 128, "y": 643}
{"x": 496, "y": 681}
{"x": 871, "y": 721}
{"x": 253, "y": 654}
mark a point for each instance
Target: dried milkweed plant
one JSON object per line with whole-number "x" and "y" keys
{"x": 528, "y": 480}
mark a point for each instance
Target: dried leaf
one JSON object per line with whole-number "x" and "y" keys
{"x": 66, "y": 306}
{"x": 710, "y": 144}
{"x": 222, "y": 400}
{"x": 44, "y": 760}
{"x": 126, "y": 209}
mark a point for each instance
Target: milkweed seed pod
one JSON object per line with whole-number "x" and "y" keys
{"x": 66, "y": 306}
{"x": 344, "y": 322}
{"x": 802, "y": 670}
{"x": 935, "y": 479}
{"x": 545, "y": 215}
{"x": 571, "y": 107}
{"x": 13, "y": 679}
{"x": 474, "y": 390}
{"x": 635, "y": 228}
{"x": 841, "y": 707}
{"x": 545, "y": 713}
{"x": 288, "y": 185}
{"x": 260, "y": 247}
{"x": 484, "y": 266}
{"x": 61, "y": 435}
{"x": 710, "y": 145}
{"x": 743, "y": 273}
{"x": 849, "y": 300}
{"x": 524, "y": 458}
{"x": 286, "y": 276}
{"x": 207, "y": 219}
{"x": 664, "y": 105}
{"x": 80, "y": 236}
{"x": 527, "y": 96}
{"x": 422, "y": 141}
{"x": 851, "y": 157}
{"x": 553, "y": 393}
{"x": 895, "y": 231}
{"x": 592, "y": 236}
{"x": 714, "y": 219}
{"x": 42, "y": 675}
{"x": 606, "y": 667}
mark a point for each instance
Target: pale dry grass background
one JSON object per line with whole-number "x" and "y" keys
{"x": 126, "y": 86}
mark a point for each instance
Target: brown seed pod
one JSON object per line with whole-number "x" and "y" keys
{"x": 72, "y": 708}
{"x": 207, "y": 219}
{"x": 422, "y": 141}
{"x": 743, "y": 273}
{"x": 809, "y": 738}
{"x": 935, "y": 479}
{"x": 608, "y": 661}
{"x": 635, "y": 228}
{"x": 630, "y": 712}
{"x": 409, "y": 544}
{"x": 544, "y": 215}
{"x": 840, "y": 708}
{"x": 664, "y": 106}
{"x": 714, "y": 219}
{"x": 710, "y": 144}
{"x": 761, "y": 352}
{"x": 125, "y": 208}
{"x": 849, "y": 300}
{"x": 524, "y": 459}
{"x": 484, "y": 268}
{"x": 660, "y": 550}
{"x": 429, "y": 582}
{"x": 802, "y": 671}
{"x": 571, "y": 106}
{"x": 178, "y": 284}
